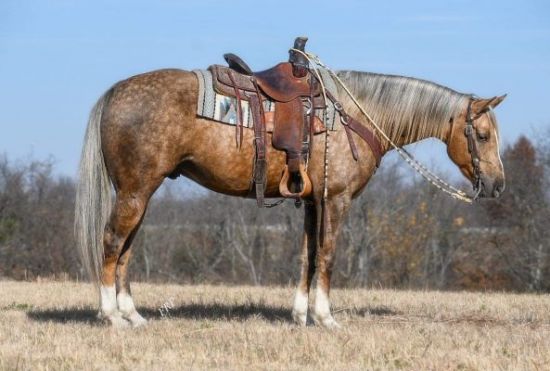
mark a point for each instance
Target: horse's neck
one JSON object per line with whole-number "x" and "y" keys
{"x": 408, "y": 110}
{"x": 419, "y": 136}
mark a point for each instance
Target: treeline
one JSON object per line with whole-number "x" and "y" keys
{"x": 401, "y": 232}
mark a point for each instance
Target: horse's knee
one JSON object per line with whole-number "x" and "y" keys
{"x": 325, "y": 263}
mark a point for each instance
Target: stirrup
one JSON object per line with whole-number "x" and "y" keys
{"x": 306, "y": 186}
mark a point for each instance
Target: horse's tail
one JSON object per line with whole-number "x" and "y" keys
{"x": 93, "y": 195}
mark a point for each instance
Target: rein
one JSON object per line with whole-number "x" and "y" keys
{"x": 407, "y": 156}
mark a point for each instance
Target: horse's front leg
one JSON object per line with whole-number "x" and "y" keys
{"x": 335, "y": 208}
{"x": 309, "y": 250}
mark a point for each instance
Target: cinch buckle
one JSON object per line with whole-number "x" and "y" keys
{"x": 308, "y": 105}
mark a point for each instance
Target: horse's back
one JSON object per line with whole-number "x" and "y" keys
{"x": 149, "y": 93}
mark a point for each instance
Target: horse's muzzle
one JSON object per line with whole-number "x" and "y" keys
{"x": 492, "y": 188}
{"x": 498, "y": 188}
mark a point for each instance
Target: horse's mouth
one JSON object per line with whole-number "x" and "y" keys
{"x": 487, "y": 189}
{"x": 480, "y": 194}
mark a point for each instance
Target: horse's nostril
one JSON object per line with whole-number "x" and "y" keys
{"x": 497, "y": 191}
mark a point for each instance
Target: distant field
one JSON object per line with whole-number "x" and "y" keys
{"x": 51, "y": 325}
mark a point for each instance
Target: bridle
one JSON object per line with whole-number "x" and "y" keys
{"x": 435, "y": 180}
{"x": 469, "y": 132}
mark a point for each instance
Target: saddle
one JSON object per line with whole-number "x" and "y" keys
{"x": 296, "y": 94}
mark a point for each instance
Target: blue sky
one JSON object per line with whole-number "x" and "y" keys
{"x": 57, "y": 57}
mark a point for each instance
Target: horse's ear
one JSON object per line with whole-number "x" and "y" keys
{"x": 497, "y": 100}
{"x": 480, "y": 106}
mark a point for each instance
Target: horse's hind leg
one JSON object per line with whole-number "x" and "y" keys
{"x": 309, "y": 249}
{"x": 124, "y": 294}
{"x": 125, "y": 218}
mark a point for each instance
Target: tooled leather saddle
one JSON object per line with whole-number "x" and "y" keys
{"x": 297, "y": 95}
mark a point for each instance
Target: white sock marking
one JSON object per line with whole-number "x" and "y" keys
{"x": 299, "y": 310}
{"x": 125, "y": 304}
{"x": 128, "y": 309}
{"x": 322, "y": 313}
{"x": 108, "y": 300}
{"x": 300, "y": 302}
{"x": 322, "y": 304}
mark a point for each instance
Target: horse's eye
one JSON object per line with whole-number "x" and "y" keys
{"x": 483, "y": 137}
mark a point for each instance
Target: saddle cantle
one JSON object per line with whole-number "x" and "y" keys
{"x": 236, "y": 63}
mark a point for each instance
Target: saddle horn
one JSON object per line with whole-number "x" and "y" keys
{"x": 300, "y": 64}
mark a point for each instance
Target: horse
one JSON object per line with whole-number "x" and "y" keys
{"x": 145, "y": 129}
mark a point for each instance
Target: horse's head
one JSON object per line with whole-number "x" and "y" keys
{"x": 473, "y": 145}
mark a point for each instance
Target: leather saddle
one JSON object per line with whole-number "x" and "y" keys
{"x": 297, "y": 94}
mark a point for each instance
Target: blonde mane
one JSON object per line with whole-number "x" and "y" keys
{"x": 407, "y": 109}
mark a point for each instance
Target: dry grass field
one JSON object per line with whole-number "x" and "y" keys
{"x": 51, "y": 325}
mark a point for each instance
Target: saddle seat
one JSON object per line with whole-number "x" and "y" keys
{"x": 277, "y": 83}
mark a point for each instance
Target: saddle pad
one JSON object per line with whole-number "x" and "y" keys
{"x": 222, "y": 108}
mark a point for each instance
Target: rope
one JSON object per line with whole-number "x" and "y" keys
{"x": 409, "y": 158}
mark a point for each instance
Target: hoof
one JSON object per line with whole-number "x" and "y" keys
{"x": 300, "y": 318}
{"x": 327, "y": 322}
{"x": 115, "y": 320}
{"x": 136, "y": 320}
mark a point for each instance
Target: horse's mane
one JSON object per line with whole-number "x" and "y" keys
{"x": 407, "y": 109}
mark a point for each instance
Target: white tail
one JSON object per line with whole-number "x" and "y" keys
{"x": 93, "y": 196}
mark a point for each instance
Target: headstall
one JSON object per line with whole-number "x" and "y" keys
{"x": 470, "y": 133}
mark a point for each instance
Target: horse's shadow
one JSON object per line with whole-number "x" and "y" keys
{"x": 202, "y": 311}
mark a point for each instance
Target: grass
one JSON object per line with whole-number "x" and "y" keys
{"x": 51, "y": 325}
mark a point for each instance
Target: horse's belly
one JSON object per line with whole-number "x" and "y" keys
{"x": 215, "y": 162}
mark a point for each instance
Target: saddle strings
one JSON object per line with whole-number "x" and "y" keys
{"x": 327, "y": 132}
{"x": 326, "y": 229}
{"x": 407, "y": 156}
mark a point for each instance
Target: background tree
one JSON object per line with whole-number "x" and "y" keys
{"x": 401, "y": 232}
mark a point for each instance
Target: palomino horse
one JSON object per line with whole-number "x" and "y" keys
{"x": 145, "y": 129}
